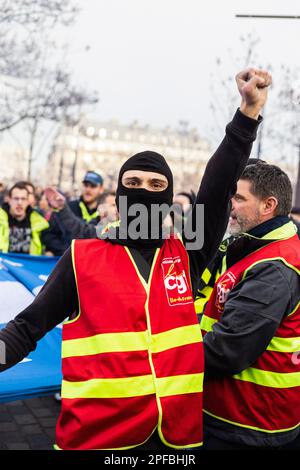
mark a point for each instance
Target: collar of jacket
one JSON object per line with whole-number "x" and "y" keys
{"x": 279, "y": 229}
{"x": 268, "y": 227}
{"x": 5, "y": 207}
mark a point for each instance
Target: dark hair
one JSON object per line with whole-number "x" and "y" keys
{"x": 19, "y": 185}
{"x": 28, "y": 183}
{"x": 102, "y": 198}
{"x": 270, "y": 180}
{"x": 255, "y": 161}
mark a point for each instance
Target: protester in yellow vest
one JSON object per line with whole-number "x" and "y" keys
{"x": 251, "y": 324}
{"x": 132, "y": 352}
{"x": 22, "y": 229}
{"x": 86, "y": 206}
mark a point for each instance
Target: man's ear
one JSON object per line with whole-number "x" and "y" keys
{"x": 270, "y": 205}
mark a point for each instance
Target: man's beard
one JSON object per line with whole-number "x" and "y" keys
{"x": 243, "y": 224}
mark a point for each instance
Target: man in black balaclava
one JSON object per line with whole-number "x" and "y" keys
{"x": 132, "y": 352}
{"x": 144, "y": 179}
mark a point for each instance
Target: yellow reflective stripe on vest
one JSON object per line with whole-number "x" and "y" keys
{"x": 284, "y": 344}
{"x": 255, "y": 428}
{"x": 104, "y": 343}
{"x": 206, "y": 275}
{"x": 175, "y": 338}
{"x": 132, "y": 387}
{"x": 4, "y": 231}
{"x": 109, "y": 388}
{"x": 200, "y": 302}
{"x": 85, "y": 213}
{"x": 269, "y": 379}
{"x": 180, "y": 384}
{"x": 38, "y": 223}
{"x": 207, "y": 323}
{"x": 131, "y": 341}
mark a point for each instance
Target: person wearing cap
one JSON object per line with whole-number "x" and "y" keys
{"x": 86, "y": 206}
{"x": 132, "y": 351}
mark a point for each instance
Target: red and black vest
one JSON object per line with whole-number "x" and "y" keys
{"x": 266, "y": 396}
{"x": 133, "y": 357}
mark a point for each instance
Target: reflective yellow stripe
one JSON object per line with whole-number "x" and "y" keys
{"x": 207, "y": 323}
{"x": 264, "y": 260}
{"x": 85, "y": 213}
{"x": 133, "y": 387}
{"x": 103, "y": 343}
{"x": 131, "y": 341}
{"x": 284, "y": 344}
{"x": 176, "y": 337}
{"x": 287, "y": 230}
{"x": 269, "y": 379}
{"x": 294, "y": 310}
{"x": 206, "y": 275}
{"x": 180, "y": 384}
{"x": 223, "y": 269}
{"x": 250, "y": 427}
{"x": 200, "y": 302}
{"x": 109, "y": 388}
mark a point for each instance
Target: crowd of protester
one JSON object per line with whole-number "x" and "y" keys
{"x": 27, "y": 216}
{"x": 22, "y": 202}
{"x": 246, "y": 293}
{"x": 29, "y": 224}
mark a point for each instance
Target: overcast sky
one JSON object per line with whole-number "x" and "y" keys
{"x": 152, "y": 60}
{"x": 155, "y": 60}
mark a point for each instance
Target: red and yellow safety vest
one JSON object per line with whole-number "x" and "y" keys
{"x": 266, "y": 396}
{"x": 133, "y": 357}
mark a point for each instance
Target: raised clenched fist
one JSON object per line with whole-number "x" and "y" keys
{"x": 253, "y": 86}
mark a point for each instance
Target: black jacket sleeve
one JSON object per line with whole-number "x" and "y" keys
{"x": 76, "y": 227}
{"x": 253, "y": 311}
{"x": 217, "y": 187}
{"x": 54, "y": 238}
{"x": 56, "y": 301}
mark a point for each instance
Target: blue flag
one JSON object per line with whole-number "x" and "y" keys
{"x": 21, "y": 278}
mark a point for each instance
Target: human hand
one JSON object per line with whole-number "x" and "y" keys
{"x": 48, "y": 253}
{"x": 107, "y": 212}
{"x": 55, "y": 199}
{"x": 253, "y": 86}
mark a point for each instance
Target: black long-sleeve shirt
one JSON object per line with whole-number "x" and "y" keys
{"x": 58, "y": 298}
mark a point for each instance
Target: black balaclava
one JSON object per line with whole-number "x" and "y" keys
{"x": 145, "y": 161}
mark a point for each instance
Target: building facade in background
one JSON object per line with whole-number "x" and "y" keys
{"x": 13, "y": 164}
{"x": 103, "y": 147}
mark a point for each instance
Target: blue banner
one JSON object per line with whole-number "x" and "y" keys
{"x": 21, "y": 278}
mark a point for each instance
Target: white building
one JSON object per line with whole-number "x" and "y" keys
{"x": 103, "y": 147}
{"x": 13, "y": 164}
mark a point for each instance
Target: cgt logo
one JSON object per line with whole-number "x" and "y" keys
{"x": 223, "y": 288}
{"x": 176, "y": 283}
